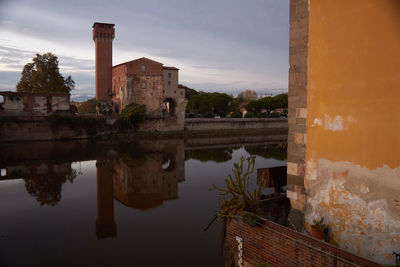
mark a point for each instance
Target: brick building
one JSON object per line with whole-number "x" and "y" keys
{"x": 147, "y": 82}
{"x": 143, "y": 81}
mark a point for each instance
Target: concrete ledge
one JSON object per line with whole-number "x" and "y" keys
{"x": 250, "y": 123}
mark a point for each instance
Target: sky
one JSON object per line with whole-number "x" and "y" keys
{"x": 218, "y": 45}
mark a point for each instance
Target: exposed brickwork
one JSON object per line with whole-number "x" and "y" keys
{"x": 279, "y": 246}
{"x": 139, "y": 81}
{"x": 297, "y": 113}
{"x": 103, "y": 35}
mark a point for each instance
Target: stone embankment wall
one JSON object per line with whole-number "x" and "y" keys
{"x": 39, "y": 128}
{"x": 234, "y": 124}
{"x": 275, "y": 245}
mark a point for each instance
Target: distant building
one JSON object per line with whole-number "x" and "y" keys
{"x": 147, "y": 82}
{"x": 23, "y": 103}
{"x": 143, "y": 81}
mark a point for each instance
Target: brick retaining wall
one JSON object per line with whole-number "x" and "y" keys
{"x": 277, "y": 245}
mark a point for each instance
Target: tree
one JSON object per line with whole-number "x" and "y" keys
{"x": 42, "y": 75}
{"x": 248, "y": 95}
{"x": 215, "y": 103}
{"x": 47, "y": 188}
{"x": 189, "y": 92}
{"x": 88, "y": 106}
{"x": 281, "y": 100}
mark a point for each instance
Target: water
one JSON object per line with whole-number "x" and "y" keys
{"x": 137, "y": 204}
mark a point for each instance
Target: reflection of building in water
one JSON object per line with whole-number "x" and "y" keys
{"x": 42, "y": 181}
{"x": 140, "y": 179}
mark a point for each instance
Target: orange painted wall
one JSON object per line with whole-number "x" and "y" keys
{"x": 354, "y": 72}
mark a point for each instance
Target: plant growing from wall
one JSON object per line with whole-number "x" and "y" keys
{"x": 105, "y": 108}
{"x": 236, "y": 196}
{"x": 91, "y": 125}
{"x": 134, "y": 113}
{"x": 236, "y": 114}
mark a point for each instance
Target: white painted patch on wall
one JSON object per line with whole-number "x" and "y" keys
{"x": 334, "y": 124}
{"x": 240, "y": 251}
{"x": 317, "y": 122}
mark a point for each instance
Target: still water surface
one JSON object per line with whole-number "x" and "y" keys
{"x": 140, "y": 204}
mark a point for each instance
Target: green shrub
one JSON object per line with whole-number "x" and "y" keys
{"x": 134, "y": 113}
{"x": 262, "y": 115}
{"x": 249, "y": 115}
{"x": 236, "y": 196}
{"x": 208, "y": 114}
{"x": 77, "y": 124}
{"x": 236, "y": 114}
{"x": 274, "y": 115}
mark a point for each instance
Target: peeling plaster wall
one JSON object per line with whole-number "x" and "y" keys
{"x": 60, "y": 103}
{"x": 12, "y": 104}
{"x": 352, "y": 164}
{"x": 34, "y": 103}
{"x": 360, "y": 206}
{"x": 40, "y": 105}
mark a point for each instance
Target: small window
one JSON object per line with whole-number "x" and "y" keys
{"x": 174, "y": 92}
{"x": 143, "y": 85}
{"x": 169, "y": 74}
{"x": 3, "y": 172}
{"x": 143, "y": 68}
{"x": 151, "y": 94}
{"x": 182, "y": 93}
{"x": 1, "y": 99}
{"x": 169, "y": 82}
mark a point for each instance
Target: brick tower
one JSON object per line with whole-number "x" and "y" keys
{"x": 103, "y": 35}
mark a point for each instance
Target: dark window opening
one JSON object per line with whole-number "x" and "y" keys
{"x": 169, "y": 74}
{"x": 169, "y": 82}
{"x": 143, "y": 68}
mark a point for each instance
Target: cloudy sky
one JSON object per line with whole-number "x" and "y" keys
{"x": 218, "y": 45}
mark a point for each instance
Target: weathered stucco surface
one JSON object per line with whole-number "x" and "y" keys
{"x": 360, "y": 206}
{"x": 353, "y": 104}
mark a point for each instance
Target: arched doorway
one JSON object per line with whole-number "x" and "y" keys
{"x": 168, "y": 107}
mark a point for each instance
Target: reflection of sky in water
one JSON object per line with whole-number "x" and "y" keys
{"x": 168, "y": 235}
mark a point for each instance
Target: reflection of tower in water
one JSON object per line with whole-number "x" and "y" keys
{"x": 105, "y": 225}
{"x": 138, "y": 179}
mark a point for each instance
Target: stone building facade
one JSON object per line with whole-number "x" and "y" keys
{"x": 148, "y": 82}
{"x": 143, "y": 81}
